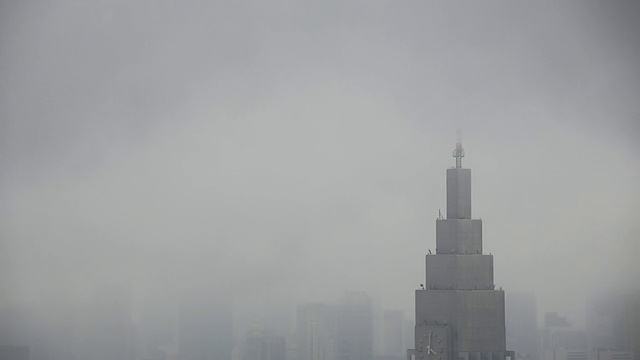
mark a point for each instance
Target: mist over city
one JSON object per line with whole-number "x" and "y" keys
{"x": 194, "y": 180}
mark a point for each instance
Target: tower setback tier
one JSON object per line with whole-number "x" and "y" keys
{"x": 458, "y": 193}
{"x": 468, "y": 272}
{"x": 459, "y": 236}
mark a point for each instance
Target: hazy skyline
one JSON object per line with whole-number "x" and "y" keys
{"x": 298, "y": 149}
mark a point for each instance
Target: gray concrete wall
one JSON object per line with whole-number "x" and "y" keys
{"x": 459, "y": 272}
{"x": 435, "y": 305}
{"x": 459, "y": 236}
{"x": 458, "y": 193}
{"x": 476, "y": 317}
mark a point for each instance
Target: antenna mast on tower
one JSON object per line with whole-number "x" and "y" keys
{"x": 458, "y": 153}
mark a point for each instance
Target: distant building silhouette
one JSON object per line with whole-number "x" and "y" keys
{"x": 355, "y": 327}
{"x": 316, "y": 332}
{"x": 205, "y": 327}
{"x": 110, "y": 328}
{"x": 613, "y": 323}
{"x": 157, "y": 328}
{"x": 521, "y": 323}
{"x": 262, "y": 344}
{"x": 336, "y": 332}
{"x": 17, "y": 325}
{"x": 392, "y": 333}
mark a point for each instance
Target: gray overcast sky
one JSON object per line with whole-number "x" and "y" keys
{"x": 298, "y": 149}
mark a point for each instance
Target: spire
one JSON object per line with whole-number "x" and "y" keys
{"x": 458, "y": 153}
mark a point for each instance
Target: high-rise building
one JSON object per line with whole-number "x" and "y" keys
{"x": 392, "y": 334}
{"x": 263, "y": 344}
{"x": 336, "y": 332}
{"x": 205, "y": 327}
{"x": 561, "y": 341}
{"x": 603, "y": 339}
{"x": 604, "y": 318}
{"x": 316, "y": 332}
{"x": 17, "y": 325}
{"x": 110, "y": 327}
{"x": 354, "y": 326}
{"x": 521, "y": 322}
{"x": 156, "y": 330}
{"x": 632, "y": 325}
{"x": 613, "y": 323}
{"x": 459, "y": 314}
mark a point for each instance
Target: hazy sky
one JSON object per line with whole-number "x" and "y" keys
{"x": 295, "y": 150}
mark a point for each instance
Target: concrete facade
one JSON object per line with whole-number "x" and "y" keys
{"x": 459, "y": 311}
{"x": 458, "y": 193}
{"x": 458, "y": 236}
{"x": 448, "y": 272}
{"x": 476, "y": 317}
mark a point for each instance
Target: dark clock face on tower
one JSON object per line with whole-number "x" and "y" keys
{"x": 432, "y": 342}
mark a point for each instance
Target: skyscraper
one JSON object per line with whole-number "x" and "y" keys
{"x": 336, "y": 332}
{"x": 561, "y": 341}
{"x": 205, "y": 326}
{"x": 316, "y": 332}
{"x": 521, "y": 320}
{"x": 354, "y": 325}
{"x": 613, "y": 322}
{"x": 263, "y": 344}
{"x": 392, "y": 334}
{"x": 459, "y": 314}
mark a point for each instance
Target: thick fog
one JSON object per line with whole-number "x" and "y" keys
{"x": 291, "y": 151}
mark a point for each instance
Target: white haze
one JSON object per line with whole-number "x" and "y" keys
{"x": 287, "y": 151}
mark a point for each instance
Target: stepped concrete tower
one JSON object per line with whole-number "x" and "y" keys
{"x": 459, "y": 314}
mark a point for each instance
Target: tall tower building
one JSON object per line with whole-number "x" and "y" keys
{"x": 392, "y": 333}
{"x": 459, "y": 314}
{"x": 336, "y": 332}
{"x": 521, "y": 320}
{"x": 316, "y": 332}
{"x": 263, "y": 344}
{"x": 205, "y": 326}
{"x": 355, "y": 326}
